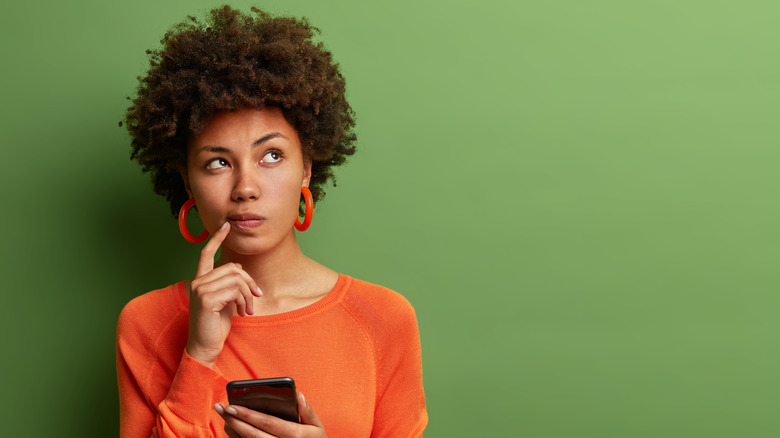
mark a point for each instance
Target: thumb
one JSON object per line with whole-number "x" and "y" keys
{"x": 306, "y": 412}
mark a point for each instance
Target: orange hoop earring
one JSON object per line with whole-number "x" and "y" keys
{"x": 307, "y": 199}
{"x": 183, "y": 224}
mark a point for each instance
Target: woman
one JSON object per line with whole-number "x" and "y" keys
{"x": 243, "y": 116}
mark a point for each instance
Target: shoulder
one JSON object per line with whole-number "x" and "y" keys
{"x": 377, "y": 298}
{"x": 379, "y": 308}
{"x": 390, "y": 322}
{"x": 148, "y": 315}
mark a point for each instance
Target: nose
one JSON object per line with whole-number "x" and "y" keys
{"x": 246, "y": 185}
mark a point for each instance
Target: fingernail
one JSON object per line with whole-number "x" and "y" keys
{"x": 223, "y": 226}
{"x": 259, "y": 292}
{"x": 303, "y": 399}
{"x": 218, "y": 407}
{"x": 231, "y": 410}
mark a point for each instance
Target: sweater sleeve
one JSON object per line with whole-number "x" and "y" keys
{"x": 400, "y": 410}
{"x": 187, "y": 409}
{"x": 163, "y": 393}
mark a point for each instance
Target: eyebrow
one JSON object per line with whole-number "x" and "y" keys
{"x": 258, "y": 142}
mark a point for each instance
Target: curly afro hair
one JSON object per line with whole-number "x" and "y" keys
{"x": 234, "y": 60}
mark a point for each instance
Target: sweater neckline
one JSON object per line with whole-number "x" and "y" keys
{"x": 331, "y": 299}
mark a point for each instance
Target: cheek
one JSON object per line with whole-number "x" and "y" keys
{"x": 204, "y": 193}
{"x": 286, "y": 198}
{"x": 210, "y": 206}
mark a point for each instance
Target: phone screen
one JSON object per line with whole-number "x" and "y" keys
{"x": 275, "y": 396}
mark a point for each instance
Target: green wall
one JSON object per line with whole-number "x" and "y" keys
{"x": 578, "y": 197}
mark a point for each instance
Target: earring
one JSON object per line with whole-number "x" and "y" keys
{"x": 307, "y": 199}
{"x": 183, "y": 224}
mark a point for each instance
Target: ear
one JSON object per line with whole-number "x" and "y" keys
{"x": 306, "y": 173}
{"x": 186, "y": 181}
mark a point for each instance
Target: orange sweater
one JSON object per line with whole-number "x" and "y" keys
{"x": 355, "y": 354}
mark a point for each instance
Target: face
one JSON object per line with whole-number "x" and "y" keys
{"x": 246, "y": 167}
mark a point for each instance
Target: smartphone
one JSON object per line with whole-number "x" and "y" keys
{"x": 275, "y": 396}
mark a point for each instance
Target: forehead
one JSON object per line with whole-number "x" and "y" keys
{"x": 244, "y": 127}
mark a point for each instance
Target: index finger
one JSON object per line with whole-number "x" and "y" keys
{"x": 206, "y": 261}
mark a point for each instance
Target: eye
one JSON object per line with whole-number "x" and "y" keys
{"x": 272, "y": 157}
{"x": 216, "y": 163}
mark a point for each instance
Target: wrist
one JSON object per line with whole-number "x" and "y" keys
{"x": 201, "y": 356}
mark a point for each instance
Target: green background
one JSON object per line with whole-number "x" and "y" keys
{"x": 578, "y": 197}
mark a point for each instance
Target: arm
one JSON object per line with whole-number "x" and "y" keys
{"x": 185, "y": 411}
{"x": 158, "y": 395}
{"x": 400, "y": 410}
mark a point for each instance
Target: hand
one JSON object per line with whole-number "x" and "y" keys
{"x": 214, "y": 295}
{"x": 247, "y": 423}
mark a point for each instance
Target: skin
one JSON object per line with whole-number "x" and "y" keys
{"x": 243, "y": 422}
{"x": 245, "y": 172}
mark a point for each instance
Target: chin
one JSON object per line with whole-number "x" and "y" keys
{"x": 249, "y": 246}
{"x": 249, "y": 249}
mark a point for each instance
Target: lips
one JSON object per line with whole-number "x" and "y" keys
{"x": 246, "y": 221}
